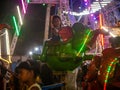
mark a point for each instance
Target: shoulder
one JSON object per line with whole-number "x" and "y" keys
{"x": 35, "y": 88}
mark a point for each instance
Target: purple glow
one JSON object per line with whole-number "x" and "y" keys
{"x": 94, "y": 18}
{"x": 85, "y": 0}
{"x": 86, "y": 4}
{"x": 23, "y": 6}
{"x": 91, "y": 15}
{"x": 96, "y": 22}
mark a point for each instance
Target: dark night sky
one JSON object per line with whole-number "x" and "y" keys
{"x": 32, "y": 31}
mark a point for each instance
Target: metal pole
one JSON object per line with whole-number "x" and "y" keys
{"x": 47, "y": 22}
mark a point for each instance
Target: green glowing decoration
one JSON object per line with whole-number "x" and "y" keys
{"x": 83, "y": 45}
{"x": 16, "y": 26}
{"x": 108, "y": 72}
{"x": 28, "y": 1}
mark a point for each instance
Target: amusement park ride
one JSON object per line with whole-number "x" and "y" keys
{"x": 68, "y": 19}
{"x": 69, "y": 53}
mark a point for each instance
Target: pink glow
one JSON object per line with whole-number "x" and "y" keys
{"x": 85, "y": 0}
{"x": 91, "y": 14}
{"x": 86, "y": 4}
{"x": 23, "y": 6}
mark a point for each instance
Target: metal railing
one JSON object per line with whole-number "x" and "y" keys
{"x": 53, "y": 86}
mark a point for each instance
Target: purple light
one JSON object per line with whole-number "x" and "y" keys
{"x": 79, "y": 7}
{"x": 94, "y": 18}
{"x": 23, "y": 6}
{"x": 91, "y": 15}
{"x": 96, "y": 22}
{"x": 86, "y": 4}
{"x": 85, "y": 0}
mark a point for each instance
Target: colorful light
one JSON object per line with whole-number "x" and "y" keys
{"x": 92, "y": 14}
{"x": 20, "y": 17}
{"x": 101, "y": 21}
{"x": 94, "y": 18}
{"x": 7, "y": 45}
{"x": 23, "y": 6}
{"x": 83, "y": 45}
{"x": 108, "y": 72}
{"x": 85, "y": 0}
{"x": 109, "y": 32}
{"x": 112, "y": 34}
{"x": 16, "y": 26}
{"x": 4, "y": 60}
{"x": 101, "y": 24}
{"x": 28, "y": 1}
{"x": 43, "y": 4}
{"x": 96, "y": 22}
{"x": 86, "y": 4}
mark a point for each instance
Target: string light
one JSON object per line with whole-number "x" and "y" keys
{"x": 108, "y": 72}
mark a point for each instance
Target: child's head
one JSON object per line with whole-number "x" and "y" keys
{"x": 28, "y": 71}
{"x": 56, "y": 21}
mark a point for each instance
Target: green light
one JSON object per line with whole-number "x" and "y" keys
{"x": 16, "y": 27}
{"x": 28, "y": 1}
{"x": 84, "y": 43}
{"x": 108, "y": 72}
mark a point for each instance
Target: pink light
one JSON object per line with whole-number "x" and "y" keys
{"x": 23, "y": 6}
{"x": 85, "y": 0}
{"x": 91, "y": 14}
{"x": 86, "y": 4}
{"x": 94, "y": 18}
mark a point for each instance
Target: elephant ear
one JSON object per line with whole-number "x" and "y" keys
{"x": 66, "y": 33}
{"x": 80, "y": 34}
{"x": 2, "y": 26}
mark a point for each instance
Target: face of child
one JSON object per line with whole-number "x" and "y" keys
{"x": 24, "y": 75}
{"x": 56, "y": 22}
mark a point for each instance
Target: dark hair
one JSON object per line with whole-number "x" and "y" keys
{"x": 30, "y": 65}
{"x": 54, "y": 17}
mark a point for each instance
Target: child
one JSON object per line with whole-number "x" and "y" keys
{"x": 28, "y": 73}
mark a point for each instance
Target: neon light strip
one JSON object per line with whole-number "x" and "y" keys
{"x": 28, "y": 1}
{"x": 109, "y": 32}
{"x": 101, "y": 24}
{"x": 16, "y": 27}
{"x": 4, "y": 60}
{"x": 23, "y": 6}
{"x": 108, "y": 72}
{"x": 7, "y": 45}
{"x": 100, "y": 20}
{"x": 84, "y": 43}
{"x": 20, "y": 17}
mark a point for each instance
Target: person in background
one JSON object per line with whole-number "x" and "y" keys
{"x": 28, "y": 73}
{"x": 57, "y": 24}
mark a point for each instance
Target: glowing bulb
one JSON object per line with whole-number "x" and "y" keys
{"x": 30, "y": 53}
